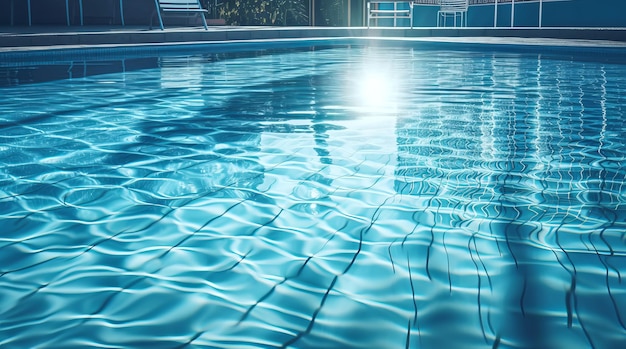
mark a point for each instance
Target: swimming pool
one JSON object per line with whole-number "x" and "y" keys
{"x": 338, "y": 196}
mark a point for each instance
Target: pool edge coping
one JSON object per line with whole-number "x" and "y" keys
{"x": 30, "y": 42}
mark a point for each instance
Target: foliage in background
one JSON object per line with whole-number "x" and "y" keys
{"x": 265, "y": 12}
{"x": 331, "y": 12}
{"x": 282, "y": 12}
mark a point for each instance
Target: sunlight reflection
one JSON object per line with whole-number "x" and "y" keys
{"x": 377, "y": 90}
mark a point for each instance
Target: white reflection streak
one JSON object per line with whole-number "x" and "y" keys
{"x": 180, "y": 73}
{"x": 489, "y": 125}
{"x": 539, "y": 133}
{"x": 603, "y": 110}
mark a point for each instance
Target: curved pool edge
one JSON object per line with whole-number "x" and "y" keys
{"x": 25, "y": 55}
{"x": 45, "y": 38}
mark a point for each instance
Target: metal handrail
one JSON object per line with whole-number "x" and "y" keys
{"x": 390, "y": 14}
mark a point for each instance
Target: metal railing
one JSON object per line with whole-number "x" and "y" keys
{"x": 374, "y": 11}
{"x": 496, "y": 4}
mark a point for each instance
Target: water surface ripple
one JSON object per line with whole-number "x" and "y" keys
{"x": 350, "y": 197}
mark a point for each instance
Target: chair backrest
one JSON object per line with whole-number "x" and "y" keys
{"x": 180, "y": 5}
{"x": 454, "y": 5}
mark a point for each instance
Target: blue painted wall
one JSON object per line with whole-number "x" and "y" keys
{"x": 572, "y": 13}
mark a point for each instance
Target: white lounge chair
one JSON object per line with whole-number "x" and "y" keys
{"x": 179, "y": 7}
{"x": 452, "y": 8}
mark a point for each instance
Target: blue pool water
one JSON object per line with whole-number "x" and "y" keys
{"x": 341, "y": 197}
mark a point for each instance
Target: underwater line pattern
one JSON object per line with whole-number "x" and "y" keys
{"x": 352, "y": 197}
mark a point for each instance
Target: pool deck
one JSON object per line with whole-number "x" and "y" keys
{"x": 57, "y": 37}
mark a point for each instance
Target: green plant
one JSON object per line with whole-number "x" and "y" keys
{"x": 331, "y": 12}
{"x": 265, "y": 12}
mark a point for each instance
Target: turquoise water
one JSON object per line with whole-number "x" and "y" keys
{"x": 346, "y": 197}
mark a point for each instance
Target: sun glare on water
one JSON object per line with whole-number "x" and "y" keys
{"x": 377, "y": 91}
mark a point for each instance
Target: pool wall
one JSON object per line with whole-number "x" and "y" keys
{"x": 69, "y": 38}
{"x": 22, "y": 66}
